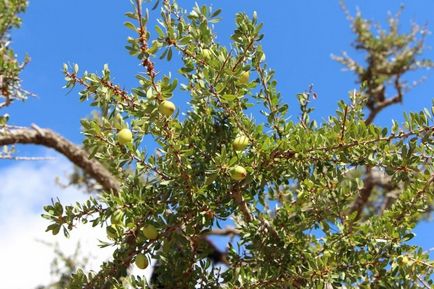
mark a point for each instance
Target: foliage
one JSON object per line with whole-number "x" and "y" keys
{"x": 10, "y": 67}
{"x": 8, "y": 12}
{"x": 314, "y": 210}
{"x": 390, "y": 55}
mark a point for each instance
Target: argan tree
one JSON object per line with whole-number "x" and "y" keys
{"x": 310, "y": 205}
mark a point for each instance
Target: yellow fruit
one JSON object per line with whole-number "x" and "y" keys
{"x": 240, "y": 142}
{"x": 117, "y": 217}
{"x": 150, "y": 232}
{"x": 141, "y": 261}
{"x": 244, "y": 77}
{"x": 206, "y": 53}
{"x": 167, "y": 108}
{"x": 238, "y": 173}
{"x": 125, "y": 136}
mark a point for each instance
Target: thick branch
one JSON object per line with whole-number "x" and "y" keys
{"x": 76, "y": 155}
{"x": 247, "y": 214}
{"x": 223, "y": 232}
{"x": 374, "y": 178}
{"x": 361, "y": 200}
{"x": 381, "y": 106}
{"x": 387, "y": 102}
{"x": 242, "y": 205}
{"x": 5, "y": 103}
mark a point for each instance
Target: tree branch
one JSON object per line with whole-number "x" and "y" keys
{"x": 4, "y": 93}
{"x": 223, "y": 232}
{"x": 387, "y": 102}
{"x": 76, "y": 155}
{"x": 363, "y": 197}
{"x": 381, "y": 106}
{"x": 374, "y": 178}
{"x": 241, "y": 203}
{"x": 5, "y": 103}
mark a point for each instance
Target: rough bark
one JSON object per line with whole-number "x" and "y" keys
{"x": 75, "y": 154}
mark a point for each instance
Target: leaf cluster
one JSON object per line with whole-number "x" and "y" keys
{"x": 297, "y": 211}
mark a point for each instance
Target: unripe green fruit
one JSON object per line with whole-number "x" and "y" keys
{"x": 244, "y": 77}
{"x": 117, "y": 217}
{"x": 238, "y": 173}
{"x": 240, "y": 142}
{"x": 167, "y": 108}
{"x": 150, "y": 232}
{"x": 206, "y": 53}
{"x": 125, "y": 136}
{"x": 141, "y": 261}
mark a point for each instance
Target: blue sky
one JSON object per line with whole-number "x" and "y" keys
{"x": 300, "y": 36}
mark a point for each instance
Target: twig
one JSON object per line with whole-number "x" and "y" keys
{"x": 243, "y": 56}
{"x": 355, "y": 143}
{"x": 223, "y": 232}
{"x": 244, "y": 208}
{"x": 423, "y": 282}
{"x": 219, "y": 73}
{"x": 343, "y": 123}
{"x": 6, "y": 102}
{"x": 268, "y": 100}
{"x": 26, "y": 158}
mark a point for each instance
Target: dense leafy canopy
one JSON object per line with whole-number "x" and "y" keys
{"x": 10, "y": 67}
{"x": 329, "y": 205}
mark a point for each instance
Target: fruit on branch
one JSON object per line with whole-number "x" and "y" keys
{"x": 244, "y": 77}
{"x": 240, "y": 143}
{"x": 238, "y": 173}
{"x": 167, "y": 108}
{"x": 150, "y": 232}
{"x": 141, "y": 261}
{"x": 125, "y": 136}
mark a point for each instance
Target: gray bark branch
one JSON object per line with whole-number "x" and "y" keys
{"x": 75, "y": 154}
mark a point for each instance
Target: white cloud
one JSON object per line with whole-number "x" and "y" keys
{"x": 25, "y": 187}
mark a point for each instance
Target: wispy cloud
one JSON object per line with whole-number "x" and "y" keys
{"x": 24, "y": 189}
